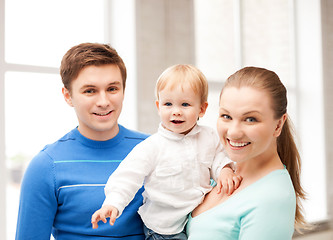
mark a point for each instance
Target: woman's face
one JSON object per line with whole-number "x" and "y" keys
{"x": 246, "y": 124}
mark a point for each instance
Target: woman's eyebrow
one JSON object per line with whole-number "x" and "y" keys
{"x": 223, "y": 109}
{"x": 251, "y": 112}
{"x": 114, "y": 83}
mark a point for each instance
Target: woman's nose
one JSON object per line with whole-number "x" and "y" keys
{"x": 235, "y": 131}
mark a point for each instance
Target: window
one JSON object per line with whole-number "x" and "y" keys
{"x": 35, "y": 112}
{"x": 271, "y": 34}
{"x": 229, "y": 34}
{"x": 32, "y": 46}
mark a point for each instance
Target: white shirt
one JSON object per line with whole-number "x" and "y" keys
{"x": 175, "y": 170}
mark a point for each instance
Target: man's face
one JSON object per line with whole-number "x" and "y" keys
{"x": 97, "y": 96}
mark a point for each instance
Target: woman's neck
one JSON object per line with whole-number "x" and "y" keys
{"x": 254, "y": 168}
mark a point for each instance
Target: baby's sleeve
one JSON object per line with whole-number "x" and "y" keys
{"x": 220, "y": 159}
{"x": 128, "y": 178}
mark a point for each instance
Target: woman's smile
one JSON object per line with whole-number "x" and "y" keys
{"x": 237, "y": 143}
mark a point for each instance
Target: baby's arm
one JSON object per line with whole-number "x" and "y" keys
{"x": 107, "y": 211}
{"x": 124, "y": 183}
{"x": 228, "y": 181}
{"x": 223, "y": 171}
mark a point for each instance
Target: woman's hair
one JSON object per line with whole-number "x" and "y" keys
{"x": 180, "y": 75}
{"x": 89, "y": 54}
{"x": 269, "y": 81}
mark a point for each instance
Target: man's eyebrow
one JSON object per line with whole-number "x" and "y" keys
{"x": 87, "y": 86}
{"x": 92, "y": 86}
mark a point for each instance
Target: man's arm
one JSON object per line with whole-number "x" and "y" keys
{"x": 38, "y": 204}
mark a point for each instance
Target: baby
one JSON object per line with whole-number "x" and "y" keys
{"x": 175, "y": 164}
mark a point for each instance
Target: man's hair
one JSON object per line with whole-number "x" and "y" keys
{"x": 89, "y": 54}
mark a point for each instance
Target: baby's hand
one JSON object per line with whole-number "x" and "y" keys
{"x": 228, "y": 181}
{"x": 102, "y": 214}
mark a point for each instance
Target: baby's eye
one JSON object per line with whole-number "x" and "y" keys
{"x": 168, "y": 104}
{"x": 185, "y": 104}
{"x": 251, "y": 119}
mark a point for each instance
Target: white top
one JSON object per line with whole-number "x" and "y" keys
{"x": 176, "y": 171}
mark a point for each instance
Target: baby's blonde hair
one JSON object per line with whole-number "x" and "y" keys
{"x": 179, "y": 75}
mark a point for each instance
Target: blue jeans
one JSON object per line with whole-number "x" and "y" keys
{"x": 151, "y": 235}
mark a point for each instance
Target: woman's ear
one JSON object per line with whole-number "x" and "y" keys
{"x": 279, "y": 125}
{"x": 67, "y": 96}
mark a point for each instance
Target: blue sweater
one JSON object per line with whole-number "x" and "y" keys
{"x": 64, "y": 184}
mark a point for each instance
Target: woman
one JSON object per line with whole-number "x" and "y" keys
{"x": 254, "y": 128}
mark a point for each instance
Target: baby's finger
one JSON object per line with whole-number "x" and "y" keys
{"x": 94, "y": 225}
{"x": 236, "y": 182}
{"x": 94, "y": 220}
{"x": 225, "y": 187}
{"x": 231, "y": 187}
{"x": 113, "y": 216}
{"x": 103, "y": 216}
{"x": 219, "y": 187}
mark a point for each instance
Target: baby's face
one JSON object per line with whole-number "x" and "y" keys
{"x": 180, "y": 108}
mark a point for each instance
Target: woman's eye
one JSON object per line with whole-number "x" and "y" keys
{"x": 185, "y": 104}
{"x": 225, "y": 116}
{"x": 251, "y": 119}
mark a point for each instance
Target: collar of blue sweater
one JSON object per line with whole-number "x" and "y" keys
{"x": 75, "y": 134}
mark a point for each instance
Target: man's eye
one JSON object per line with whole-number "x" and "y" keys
{"x": 89, "y": 91}
{"x": 185, "y": 104}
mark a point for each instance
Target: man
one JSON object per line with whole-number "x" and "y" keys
{"x": 64, "y": 183}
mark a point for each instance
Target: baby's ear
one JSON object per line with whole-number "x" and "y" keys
{"x": 157, "y": 103}
{"x": 279, "y": 125}
{"x": 67, "y": 96}
{"x": 203, "y": 109}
